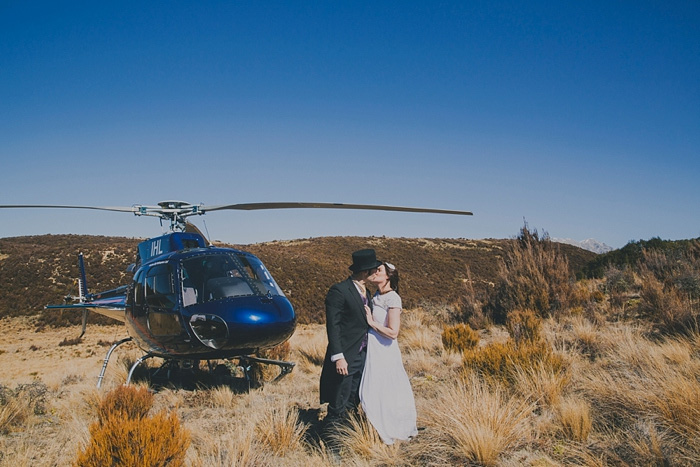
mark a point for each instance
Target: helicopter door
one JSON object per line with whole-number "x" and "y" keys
{"x": 161, "y": 302}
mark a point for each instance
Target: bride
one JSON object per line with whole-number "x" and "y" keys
{"x": 385, "y": 391}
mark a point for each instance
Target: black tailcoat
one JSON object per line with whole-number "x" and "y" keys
{"x": 346, "y": 325}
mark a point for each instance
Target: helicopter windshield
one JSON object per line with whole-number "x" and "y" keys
{"x": 218, "y": 276}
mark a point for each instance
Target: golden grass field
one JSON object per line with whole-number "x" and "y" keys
{"x": 619, "y": 399}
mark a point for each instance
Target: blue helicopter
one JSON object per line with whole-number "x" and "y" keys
{"x": 191, "y": 301}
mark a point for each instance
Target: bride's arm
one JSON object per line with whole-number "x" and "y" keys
{"x": 393, "y": 323}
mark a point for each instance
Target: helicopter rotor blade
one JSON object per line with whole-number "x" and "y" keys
{"x": 294, "y": 205}
{"x": 59, "y": 206}
{"x": 165, "y": 210}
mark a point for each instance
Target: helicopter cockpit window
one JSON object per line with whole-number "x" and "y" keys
{"x": 260, "y": 275}
{"x": 159, "y": 288}
{"x": 219, "y": 276}
{"x": 139, "y": 292}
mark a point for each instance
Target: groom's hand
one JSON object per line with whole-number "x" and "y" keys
{"x": 341, "y": 366}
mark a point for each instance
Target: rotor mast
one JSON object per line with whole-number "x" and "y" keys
{"x": 174, "y": 211}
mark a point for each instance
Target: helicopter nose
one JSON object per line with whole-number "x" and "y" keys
{"x": 248, "y": 323}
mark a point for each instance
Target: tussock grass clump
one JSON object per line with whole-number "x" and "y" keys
{"x": 574, "y": 415}
{"x": 587, "y": 338}
{"x": 13, "y": 412}
{"x": 222, "y": 397}
{"x": 420, "y": 326}
{"x": 478, "y": 423}
{"x": 231, "y": 442}
{"x": 19, "y": 405}
{"x": 359, "y": 439}
{"x": 280, "y": 429}
{"x": 459, "y": 337}
{"x": 501, "y": 361}
{"x": 158, "y": 440}
{"x": 541, "y": 382}
{"x": 313, "y": 351}
{"x": 124, "y": 435}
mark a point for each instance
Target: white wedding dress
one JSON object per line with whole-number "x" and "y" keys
{"x": 385, "y": 391}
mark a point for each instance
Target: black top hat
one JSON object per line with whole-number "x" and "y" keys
{"x": 363, "y": 260}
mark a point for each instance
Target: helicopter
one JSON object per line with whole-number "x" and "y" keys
{"x": 192, "y": 301}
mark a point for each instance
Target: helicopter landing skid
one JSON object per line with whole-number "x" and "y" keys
{"x": 245, "y": 362}
{"x": 137, "y": 363}
{"x": 109, "y": 354}
{"x": 285, "y": 367}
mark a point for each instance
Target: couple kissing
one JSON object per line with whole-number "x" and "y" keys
{"x": 363, "y": 365}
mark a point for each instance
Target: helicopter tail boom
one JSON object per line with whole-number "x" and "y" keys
{"x": 111, "y": 303}
{"x": 114, "y": 311}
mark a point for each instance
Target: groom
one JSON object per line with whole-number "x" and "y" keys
{"x": 346, "y": 326}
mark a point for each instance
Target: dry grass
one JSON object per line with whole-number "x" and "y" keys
{"x": 310, "y": 347}
{"x": 651, "y": 390}
{"x": 620, "y": 398}
{"x": 222, "y": 397}
{"x": 478, "y": 423}
{"x": 280, "y": 430}
{"x": 359, "y": 439}
{"x": 419, "y": 327}
{"x": 14, "y": 412}
{"x": 574, "y": 415}
{"x": 541, "y": 383}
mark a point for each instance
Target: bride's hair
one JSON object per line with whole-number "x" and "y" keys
{"x": 393, "y": 275}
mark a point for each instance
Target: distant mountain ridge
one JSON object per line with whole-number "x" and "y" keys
{"x": 589, "y": 244}
{"x": 38, "y": 270}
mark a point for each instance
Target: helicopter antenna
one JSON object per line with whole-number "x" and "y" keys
{"x": 206, "y": 227}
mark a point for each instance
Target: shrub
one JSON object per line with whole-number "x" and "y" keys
{"x": 470, "y": 307}
{"x": 620, "y": 284}
{"x": 632, "y": 253}
{"x": 533, "y": 275}
{"x": 125, "y": 402}
{"x": 124, "y": 435}
{"x": 459, "y": 337}
{"x": 670, "y": 288}
{"x": 664, "y": 305}
{"x": 119, "y": 440}
{"x": 524, "y": 326}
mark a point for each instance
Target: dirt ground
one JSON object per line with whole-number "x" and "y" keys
{"x": 27, "y": 354}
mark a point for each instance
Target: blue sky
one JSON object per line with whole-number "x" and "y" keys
{"x": 581, "y": 118}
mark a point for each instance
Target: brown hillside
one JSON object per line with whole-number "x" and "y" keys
{"x": 37, "y": 270}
